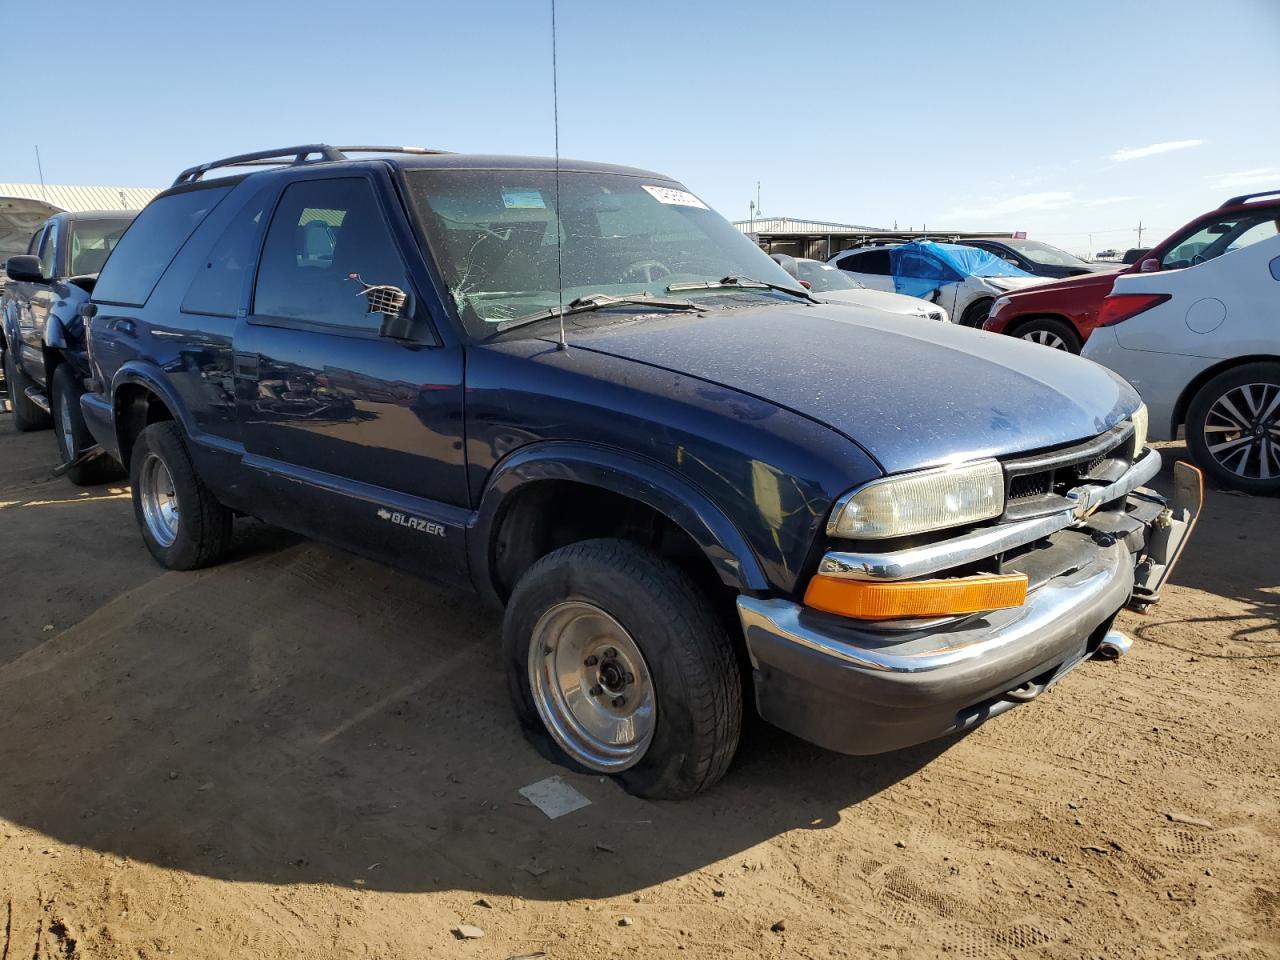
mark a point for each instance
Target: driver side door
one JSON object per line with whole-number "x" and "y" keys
{"x": 354, "y": 436}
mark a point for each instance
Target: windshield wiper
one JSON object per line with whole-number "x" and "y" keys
{"x": 594, "y": 302}
{"x": 734, "y": 280}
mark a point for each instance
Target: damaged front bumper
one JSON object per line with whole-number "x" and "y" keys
{"x": 857, "y": 688}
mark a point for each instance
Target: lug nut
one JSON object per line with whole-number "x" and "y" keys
{"x": 619, "y": 701}
{"x": 630, "y": 678}
{"x": 596, "y": 690}
{"x": 610, "y": 653}
{"x": 592, "y": 660}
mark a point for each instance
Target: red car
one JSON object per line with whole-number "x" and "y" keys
{"x": 1062, "y": 314}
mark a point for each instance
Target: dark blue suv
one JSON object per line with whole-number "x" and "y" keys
{"x": 578, "y": 390}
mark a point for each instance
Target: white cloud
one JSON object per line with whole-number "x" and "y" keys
{"x": 1049, "y": 200}
{"x": 1151, "y": 149}
{"x": 1107, "y": 201}
{"x": 1259, "y": 176}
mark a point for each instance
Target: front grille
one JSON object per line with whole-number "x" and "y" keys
{"x": 1038, "y": 483}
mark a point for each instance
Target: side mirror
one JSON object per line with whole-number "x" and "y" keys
{"x": 1150, "y": 265}
{"x": 87, "y": 311}
{"x": 24, "y": 268}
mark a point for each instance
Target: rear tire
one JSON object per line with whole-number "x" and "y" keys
{"x": 609, "y": 604}
{"x": 975, "y": 315}
{"x": 1233, "y": 428}
{"x": 182, "y": 523}
{"x": 1048, "y": 332}
{"x": 72, "y": 433}
{"x": 26, "y": 415}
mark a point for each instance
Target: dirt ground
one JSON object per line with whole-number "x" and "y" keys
{"x": 302, "y": 754}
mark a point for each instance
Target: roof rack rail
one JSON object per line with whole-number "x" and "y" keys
{"x": 291, "y": 156}
{"x": 1251, "y": 196}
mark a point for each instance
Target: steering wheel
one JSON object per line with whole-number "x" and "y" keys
{"x": 646, "y": 271}
{"x": 1199, "y": 258}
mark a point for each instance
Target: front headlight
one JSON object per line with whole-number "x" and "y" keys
{"x": 1139, "y": 430}
{"x": 917, "y": 502}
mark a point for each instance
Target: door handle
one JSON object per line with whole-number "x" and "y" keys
{"x": 246, "y": 365}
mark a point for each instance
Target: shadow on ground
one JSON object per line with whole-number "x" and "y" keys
{"x": 300, "y": 715}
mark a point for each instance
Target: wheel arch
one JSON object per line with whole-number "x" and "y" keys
{"x": 1018, "y": 322}
{"x": 1183, "y": 403}
{"x": 140, "y": 397}
{"x": 595, "y": 480}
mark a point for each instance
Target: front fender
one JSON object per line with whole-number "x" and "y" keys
{"x": 627, "y": 475}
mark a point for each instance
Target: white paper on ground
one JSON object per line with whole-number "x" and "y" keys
{"x": 554, "y": 797}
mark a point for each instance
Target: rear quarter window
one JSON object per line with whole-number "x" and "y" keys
{"x": 150, "y": 244}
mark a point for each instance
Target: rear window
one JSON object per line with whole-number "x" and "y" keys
{"x": 150, "y": 244}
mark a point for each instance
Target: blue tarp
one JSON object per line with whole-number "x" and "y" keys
{"x": 922, "y": 266}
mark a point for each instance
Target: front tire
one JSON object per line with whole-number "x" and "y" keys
{"x": 975, "y": 315}
{"x": 1051, "y": 333}
{"x": 618, "y": 665}
{"x": 26, "y": 415}
{"x": 72, "y": 433}
{"x": 1233, "y": 428}
{"x": 182, "y": 523}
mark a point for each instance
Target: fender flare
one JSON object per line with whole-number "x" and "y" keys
{"x": 150, "y": 376}
{"x": 617, "y": 471}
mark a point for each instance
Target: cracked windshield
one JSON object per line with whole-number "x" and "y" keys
{"x": 494, "y": 232}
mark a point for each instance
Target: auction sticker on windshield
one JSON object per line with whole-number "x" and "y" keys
{"x": 523, "y": 200}
{"x": 680, "y": 198}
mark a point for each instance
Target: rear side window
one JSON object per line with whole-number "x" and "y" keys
{"x": 151, "y": 243}
{"x": 873, "y": 261}
{"x": 324, "y": 236}
{"x": 218, "y": 286}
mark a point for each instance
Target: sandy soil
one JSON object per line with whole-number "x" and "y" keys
{"x": 303, "y": 754}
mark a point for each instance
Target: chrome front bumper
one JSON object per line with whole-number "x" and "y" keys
{"x": 854, "y": 688}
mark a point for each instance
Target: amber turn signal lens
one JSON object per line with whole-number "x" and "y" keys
{"x": 915, "y": 598}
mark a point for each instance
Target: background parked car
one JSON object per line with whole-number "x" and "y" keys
{"x": 1063, "y": 313}
{"x": 963, "y": 280}
{"x": 1040, "y": 259}
{"x": 1202, "y": 346}
{"x": 42, "y": 335}
{"x": 833, "y": 285}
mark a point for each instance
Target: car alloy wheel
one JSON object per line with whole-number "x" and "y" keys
{"x": 1242, "y": 430}
{"x": 159, "y": 501}
{"x": 591, "y": 686}
{"x": 1046, "y": 338}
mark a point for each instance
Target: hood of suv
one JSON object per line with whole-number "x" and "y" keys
{"x": 912, "y": 392}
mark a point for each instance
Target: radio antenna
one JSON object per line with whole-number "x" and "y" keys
{"x": 555, "y": 113}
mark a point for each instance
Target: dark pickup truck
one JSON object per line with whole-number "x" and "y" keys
{"x": 578, "y": 390}
{"x": 41, "y": 332}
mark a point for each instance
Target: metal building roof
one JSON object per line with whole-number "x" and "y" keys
{"x": 80, "y": 199}
{"x": 793, "y": 225}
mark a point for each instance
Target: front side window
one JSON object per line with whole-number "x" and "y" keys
{"x": 151, "y": 242}
{"x": 326, "y": 238}
{"x": 92, "y": 242}
{"x": 1219, "y": 236}
{"x": 503, "y": 242}
{"x": 1044, "y": 253}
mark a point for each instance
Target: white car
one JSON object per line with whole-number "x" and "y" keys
{"x": 1201, "y": 345}
{"x": 964, "y": 281}
{"x": 832, "y": 285}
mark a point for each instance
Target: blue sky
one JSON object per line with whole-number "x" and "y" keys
{"x": 1059, "y": 119}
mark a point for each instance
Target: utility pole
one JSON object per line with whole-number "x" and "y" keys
{"x": 757, "y": 196}
{"x": 1140, "y": 228}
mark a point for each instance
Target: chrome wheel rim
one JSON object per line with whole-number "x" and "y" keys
{"x": 66, "y": 431}
{"x": 591, "y": 686}
{"x": 1046, "y": 338}
{"x": 1242, "y": 431}
{"x": 159, "y": 500}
